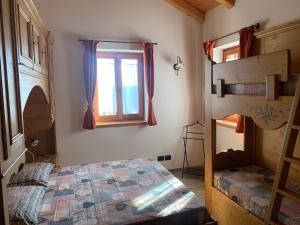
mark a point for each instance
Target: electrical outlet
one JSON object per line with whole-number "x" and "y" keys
{"x": 160, "y": 158}
{"x": 168, "y": 157}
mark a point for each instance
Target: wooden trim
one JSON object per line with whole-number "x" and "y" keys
{"x": 227, "y": 3}
{"x": 209, "y": 142}
{"x": 188, "y": 9}
{"x": 278, "y": 29}
{"x": 2, "y": 94}
{"x": 227, "y": 123}
{"x": 5, "y": 171}
{"x": 36, "y": 16}
{"x": 227, "y": 212}
{"x": 121, "y": 124}
{"x": 231, "y": 51}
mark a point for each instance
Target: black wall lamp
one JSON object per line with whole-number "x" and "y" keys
{"x": 178, "y": 65}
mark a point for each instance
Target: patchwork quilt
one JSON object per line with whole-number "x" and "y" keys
{"x": 117, "y": 193}
{"x": 251, "y": 188}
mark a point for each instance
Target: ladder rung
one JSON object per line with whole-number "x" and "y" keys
{"x": 293, "y": 160}
{"x": 296, "y": 127}
{"x": 289, "y": 194}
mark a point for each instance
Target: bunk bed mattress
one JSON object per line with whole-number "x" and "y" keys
{"x": 251, "y": 188}
{"x": 119, "y": 193}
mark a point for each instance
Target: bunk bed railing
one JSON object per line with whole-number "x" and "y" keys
{"x": 258, "y": 87}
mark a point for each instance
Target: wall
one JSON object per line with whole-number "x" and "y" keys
{"x": 221, "y": 21}
{"x": 174, "y": 101}
{"x": 227, "y": 138}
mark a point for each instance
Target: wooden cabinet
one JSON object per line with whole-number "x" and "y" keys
{"x": 24, "y": 66}
{"x": 31, "y": 38}
{"x": 11, "y": 115}
{"x": 24, "y": 33}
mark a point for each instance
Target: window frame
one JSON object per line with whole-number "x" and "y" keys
{"x": 231, "y": 51}
{"x": 120, "y": 117}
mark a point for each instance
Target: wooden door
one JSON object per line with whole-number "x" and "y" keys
{"x": 11, "y": 115}
{"x": 24, "y": 33}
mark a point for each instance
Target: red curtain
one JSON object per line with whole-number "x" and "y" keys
{"x": 149, "y": 70}
{"x": 90, "y": 78}
{"x": 208, "y": 49}
{"x": 247, "y": 41}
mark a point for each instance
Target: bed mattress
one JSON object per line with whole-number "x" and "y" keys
{"x": 251, "y": 188}
{"x": 125, "y": 192}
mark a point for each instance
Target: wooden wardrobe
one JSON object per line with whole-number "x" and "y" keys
{"x": 26, "y": 82}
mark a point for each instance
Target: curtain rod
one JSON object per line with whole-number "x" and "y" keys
{"x": 123, "y": 42}
{"x": 254, "y": 26}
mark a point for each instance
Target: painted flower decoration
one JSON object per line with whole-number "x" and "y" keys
{"x": 266, "y": 113}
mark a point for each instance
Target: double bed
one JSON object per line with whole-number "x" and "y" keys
{"x": 139, "y": 191}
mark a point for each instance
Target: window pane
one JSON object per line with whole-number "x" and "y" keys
{"x": 130, "y": 91}
{"x": 232, "y": 57}
{"x": 106, "y": 87}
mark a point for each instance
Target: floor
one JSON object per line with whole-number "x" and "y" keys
{"x": 195, "y": 183}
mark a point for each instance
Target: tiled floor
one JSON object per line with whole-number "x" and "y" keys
{"x": 195, "y": 183}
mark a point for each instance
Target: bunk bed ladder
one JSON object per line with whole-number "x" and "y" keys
{"x": 287, "y": 158}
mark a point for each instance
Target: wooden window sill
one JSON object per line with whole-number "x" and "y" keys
{"x": 227, "y": 123}
{"x": 121, "y": 123}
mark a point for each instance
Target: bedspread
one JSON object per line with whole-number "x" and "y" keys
{"x": 117, "y": 193}
{"x": 251, "y": 188}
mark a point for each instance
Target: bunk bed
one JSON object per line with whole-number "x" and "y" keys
{"x": 241, "y": 185}
{"x": 137, "y": 191}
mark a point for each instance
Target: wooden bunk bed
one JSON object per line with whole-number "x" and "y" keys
{"x": 137, "y": 191}
{"x": 238, "y": 183}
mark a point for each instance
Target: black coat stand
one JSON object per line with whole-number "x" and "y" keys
{"x": 191, "y": 135}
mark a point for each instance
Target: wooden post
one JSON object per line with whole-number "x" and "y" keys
{"x": 208, "y": 137}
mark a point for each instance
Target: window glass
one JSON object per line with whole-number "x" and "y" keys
{"x": 130, "y": 90}
{"x": 106, "y": 87}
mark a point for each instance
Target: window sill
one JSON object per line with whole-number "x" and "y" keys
{"x": 121, "y": 123}
{"x": 227, "y": 123}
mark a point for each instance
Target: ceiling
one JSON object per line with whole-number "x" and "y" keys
{"x": 198, "y": 8}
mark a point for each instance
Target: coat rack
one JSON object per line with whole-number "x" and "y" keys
{"x": 197, "y": 136}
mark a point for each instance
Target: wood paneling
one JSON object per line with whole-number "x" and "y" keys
{"x": 10, "y": 81}
{"x": 198, "y": 8}
{"x": 269, "y": 143}
{"x": 24, "y": 30}
{"x": 253, "y": 69}
{"x": 203, "y": 5}
{"x": 188, "y": 9}
{"x": 227, "y": 3}
{"x": 227, "y": 212}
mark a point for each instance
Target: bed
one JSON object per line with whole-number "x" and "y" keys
{"x": 139, "y": 191}
{"x": 250, "y": 187}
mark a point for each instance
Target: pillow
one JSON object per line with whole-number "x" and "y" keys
{"x": 24, "y": 202}
{"x": 32, "y": 174}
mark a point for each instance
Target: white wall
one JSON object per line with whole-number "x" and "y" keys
{"x": 227, "y": 138}
{"x": 221, "y": 21}
{"x": 174, "y": 101}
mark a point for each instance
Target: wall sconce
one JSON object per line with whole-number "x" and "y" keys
{"x": 31, "y": 143}
{"x": 178, "y": 65}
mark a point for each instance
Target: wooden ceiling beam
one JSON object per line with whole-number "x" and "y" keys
{"x": 227, "y": 3}
{"x": 188, "y": 9}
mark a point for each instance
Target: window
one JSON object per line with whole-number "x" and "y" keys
{"x": 120, "y": 87}
{"x": 231, "y": 54}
